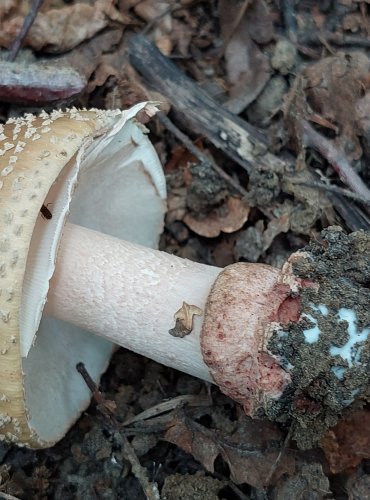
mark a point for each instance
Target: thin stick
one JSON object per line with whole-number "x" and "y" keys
{"x": 335, "y": 157}
{"x": 316, "y": 38}
{"x": 333, "y": 189}
{"x": 28, "y": 21}
{"x": 281, "y": 452}
{"x": 150, "y": 489}
{"x": 6, "y": 496}
{"x": 289, "y": 16}
{"x": 194, "y": 150}
{"x": 150, "y": 25}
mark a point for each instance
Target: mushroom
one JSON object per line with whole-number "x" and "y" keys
{"x": 78, "y": 282}
{"x": 98, "y": 169}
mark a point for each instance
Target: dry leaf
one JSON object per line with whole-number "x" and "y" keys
{"x": 346, "y": 444}
{"x": 101, "y": 75}
{"x": 251, "y": 452}
{"x": 247, "y": 68}
{"x": 88, "y": 55}
{"x": 184, "y": 320}
{"x": 212, "y": 224}
{"x": 321, "y": 86}
{"x": 59, "y": 30}
{"x": 176, "y": 205}
{"x": 6, "y": 6}
{"x": 155, "y": 11}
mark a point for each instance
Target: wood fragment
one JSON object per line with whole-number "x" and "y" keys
{"x": 239, "y": 140}
{"x": 28, "y": 22}
{"x": 335, "y": 157}
{"x": 150, "y": 489}
{"x": 38, "y": 83}
{"x": 169, "y": 405}
{"x": 333, "y": 189}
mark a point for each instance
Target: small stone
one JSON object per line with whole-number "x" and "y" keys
{"x": 283, "y": 58}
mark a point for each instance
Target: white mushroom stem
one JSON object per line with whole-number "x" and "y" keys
{"x": 129, "y": 295}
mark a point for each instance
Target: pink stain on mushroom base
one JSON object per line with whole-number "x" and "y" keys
{"x": 244, "y": 302}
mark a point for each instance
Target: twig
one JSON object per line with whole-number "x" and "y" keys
{"x": 194, "y": 150}
{"x": 335, "y": 157}
{"x": 333, "y": 189}
{"x": 290, "y": 22}
{"x": 103, "y": 405}
{"x": 169, "y": 405}
{"x": 234, "y": 26}
{"x": 150, "y": 25}
{"x": 150, "y": 489}
{"x": 6, "y": 496}
{"x": 239, "y": 140}
{"x": 28, "y": 21}
{"x": 169, "y": 10}
{"x": 315, "y": 38}
{"x": 278, "y": 458}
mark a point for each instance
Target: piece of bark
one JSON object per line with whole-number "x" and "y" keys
{"x": 236, "y": 138}
{"x": 38, "y": 83}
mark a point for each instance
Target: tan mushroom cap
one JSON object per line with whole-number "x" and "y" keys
{"x": 46, "y": 159}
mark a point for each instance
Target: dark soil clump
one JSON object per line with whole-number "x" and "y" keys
{"x": 328, "y": 352}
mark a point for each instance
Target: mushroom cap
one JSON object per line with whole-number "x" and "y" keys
{"x": 94, "y": 168}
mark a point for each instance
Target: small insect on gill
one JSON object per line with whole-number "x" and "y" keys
{"x": 45, "y": 212}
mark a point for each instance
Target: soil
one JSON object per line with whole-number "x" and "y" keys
{"x": 278, "y": 66}
{"x": 325, "y": 386}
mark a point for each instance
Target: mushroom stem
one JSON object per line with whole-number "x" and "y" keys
{"x": 129, "y": 295}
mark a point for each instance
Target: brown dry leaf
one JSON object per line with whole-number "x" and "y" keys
{"x": 222, "y": 252}
{"x": 87, "y": 56}
{"x": 252, "y": 242}
{"x": 331, "y": 88}
{"x": 176, "y": 205}
{"x": 59, "y": 30}
{"x": 101, "y": 75}
{"x": 228, "y": 218}
{"x": 346, "y": 444}
{"x": 247, "y": 68}
{"x": 128, "y": 88}
{"x": 181, "y": 36}
{"x": 158, "y": 11}
{"x": 6, "y": 6}
{"x": 184, "y": 320}
{"x": 251, "y": 452}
